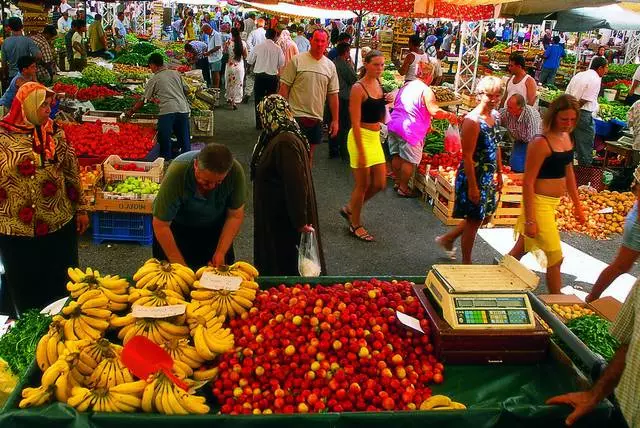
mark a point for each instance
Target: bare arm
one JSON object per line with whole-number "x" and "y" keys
{"x": 634, "y": 85}
{"x": 284, "y": 90}
{"x": 435, "y": 111}
{"x": 532, "y": 91}
{"x": 355, "y": 107}
{"x": 162, "y": 230}
{"x": 408, "y": 60}
{"x": 230, "y": 230}
{"x": 333, "y": 106}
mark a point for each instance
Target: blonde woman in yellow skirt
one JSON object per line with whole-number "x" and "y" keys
{"x": 366, "y": 109}
{"x": 548, "y": 175}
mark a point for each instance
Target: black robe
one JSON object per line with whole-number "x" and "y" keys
{"x": 284, "y": 200}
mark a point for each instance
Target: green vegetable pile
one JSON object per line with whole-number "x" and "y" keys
{"x": 59, "y": 44}
{"x": 622, "y": 71}
{"x": 570, "y": 58}
{"x": 434, "y": 141}
{"x": 99, "y": 75}
{"x": 389, "y": 82}
{"x": 131, "y": 39}
{"x": 549, "y": 94}
{"x": 123, "y": 104}
{"x": 593, "y": 331}
{"x": 499, "y": 47}
{"x": 81, "y": 83}
{"x": 143, "y": 48}
{"x": 18, "y": 345}
{"x": 612, "y": 110}
{"x": 131, "y": 59}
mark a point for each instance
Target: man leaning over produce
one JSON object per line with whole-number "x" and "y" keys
{"x": 621, "y": 375}
{"x": 523, "y": 123}
{"x": 199, "y": 208}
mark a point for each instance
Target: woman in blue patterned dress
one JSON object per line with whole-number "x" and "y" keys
{"x": 475, "y": 187}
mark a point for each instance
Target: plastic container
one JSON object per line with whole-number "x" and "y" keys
{"x": 152, "y": 170}
{"x": 114, "y": 226}
{"x": 602, "y": 128}
{"x": 610, "y": 94}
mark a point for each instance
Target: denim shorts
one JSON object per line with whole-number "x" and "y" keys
{"x": 215, "y": 66}
{"x": 631, "y": 234}
{"x": 399, "y": 146}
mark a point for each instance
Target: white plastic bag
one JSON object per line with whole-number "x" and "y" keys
{"x": 452, "y": 141}
{"x": 308, "y": 258}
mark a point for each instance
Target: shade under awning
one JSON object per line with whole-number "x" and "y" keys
{"x": 613, "y": 17}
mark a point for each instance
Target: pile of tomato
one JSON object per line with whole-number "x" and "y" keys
{"x": 131, "y": 142}
{"x": 332, "y": 348}
{"x": 85, "y": 94}
{"x": 439, "y": 160}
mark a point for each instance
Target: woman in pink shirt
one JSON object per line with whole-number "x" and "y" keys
{"x": 288, "y": 46}
{"x": 413, "y": 108}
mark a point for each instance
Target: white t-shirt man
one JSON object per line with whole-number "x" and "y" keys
{"x": 586, "y": 86}
{"x": 64, "y": 25}
{"x": 64, "y": 7}
{"x": 256, "y": 37}
{"x": 215, "y": 40}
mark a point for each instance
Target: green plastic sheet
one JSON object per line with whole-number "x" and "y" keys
{"x": 496, "y": 396}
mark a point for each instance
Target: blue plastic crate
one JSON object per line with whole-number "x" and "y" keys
{"x": 110, "y": 226}
{"x": 602, "y": 128}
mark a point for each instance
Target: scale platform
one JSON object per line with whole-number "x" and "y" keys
{"x": 482, "y": 314}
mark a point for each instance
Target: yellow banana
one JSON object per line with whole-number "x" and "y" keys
{"x": 119, "y": 322}
{"x": 97, "y": 313}
{"x": 130, "y": 388}
{"x": 98, "y": 324}
{"x": 74, "y": 275}
{"x": 125, "y": 402}
{"x": 173, "y": 402}
{"x": 147, "y": 396}
{"x": 41, "y": 352}
{"x": 62, "y": 386}
{"x": 51, "y": 374}
{"x": 200, "y": 342}
{"x": 191, "y": 403}
{"x": 205, "y": 375}
{"x": 435, "y": 401}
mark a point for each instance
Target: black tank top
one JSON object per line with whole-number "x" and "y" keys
{"x": 372, "y": 109}
{"x": 555, "y": 165}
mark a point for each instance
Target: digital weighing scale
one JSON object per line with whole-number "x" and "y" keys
{"x": 482, "y": 313}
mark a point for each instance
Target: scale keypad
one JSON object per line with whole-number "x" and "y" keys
{"x": 492, "y": 316}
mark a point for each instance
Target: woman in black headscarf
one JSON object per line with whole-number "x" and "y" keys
{"x": 284, "y": 199}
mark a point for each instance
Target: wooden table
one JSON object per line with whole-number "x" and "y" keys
{"x": 625, "y": 151}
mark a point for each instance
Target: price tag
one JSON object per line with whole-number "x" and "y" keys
{"x": 409, "y": 321}
{"x": 212, "y": 281}
{"x": 106, "y": 127}
{"x": 607, "y": 210}
{"x": 139, "y": 311}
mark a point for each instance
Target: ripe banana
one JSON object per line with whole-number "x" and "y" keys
{"x": 33, "y": 397}
{"x": 162, "y": 396}
{"x": 435, "y": 401}
{"x": 155, "y": 274}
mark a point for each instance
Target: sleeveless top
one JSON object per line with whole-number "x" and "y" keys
{"x": 517, "y": 88}
{"x": 413, "y": 68}
{"x": 410, "y": 118}
{"x": 372, "y": 110}
{"x": 555, "y": 165}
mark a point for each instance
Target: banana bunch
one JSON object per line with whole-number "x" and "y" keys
{"x": 209, "y": 338}
{"x": 161, "y": 395}
{"x": 180, "y": 350}
{"x": 33, "y": 397}
{"x": 203, "y": 374}
{"x": 109, "y": 373}
{"x": 172, "y": 276}
{"x": 114, "y": 288}
{"x": 154, "y": 329}
{"x": 125, "y": 397}
{"x": 156, "y": 297}
{"x": 86, "y": 318}
{"x": 242, "y": 269}
{"x": 441, "y": 402}
{"x": 93, "y": 354}
{"x": 51, "y": 345}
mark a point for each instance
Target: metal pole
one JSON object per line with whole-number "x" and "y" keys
{"x": 575, "y": 65}
{"x": 358, "y": 29}
{"x": 144, "y": 17}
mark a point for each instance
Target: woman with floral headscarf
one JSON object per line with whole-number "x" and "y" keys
{"x": 284, "y": 198}
{"x": 288, "y": 46}
{"x": 39, "y": 196}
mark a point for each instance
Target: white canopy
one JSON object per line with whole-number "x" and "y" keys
{"x": 293, "y": 10}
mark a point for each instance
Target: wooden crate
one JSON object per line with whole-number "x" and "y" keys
{"x": 443, "y": 201}
{"x": 509, "y": 206}
{"x": 430, "y": 186}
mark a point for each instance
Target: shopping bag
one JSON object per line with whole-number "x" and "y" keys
{"x": 308, "y": 254}
{"x": 452, "y": 142}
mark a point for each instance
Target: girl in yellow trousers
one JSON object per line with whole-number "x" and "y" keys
{"x": 548, "y": 175}
{"x": 367, "y": 110}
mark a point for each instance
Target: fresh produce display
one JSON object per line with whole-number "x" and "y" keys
{"x": 143, "y": 48}
{"x": 79, "y": 82}
{"x": 389, "y": 82}
{"x": 134, "y": 186}
{"x": 59, "y": 44}
{"x": 622, "y": 71}
{"x": 89, "y": 139}
{"x": 549, "y": 94}
{"x": 183, "y": 68}
{"x": 569, "y": 58}
{"x": 131, "y": 59}
{"x": 132, "y": 72}
{"x": 443, "y": 94}
{"x": 498, "y": 47}
{"x": 18, "y": 344}
{"x": 130, "y": 166}
{"x": 192, "y": 88}
{"x": 612, "y": 110}
{"x": 442, "y": 160}
{"x": 605, "y": 213}
{"x": 84, "y": 94}
{"x": 593, "y": 331}
{"x": 89, "y": 175}
{"x": 123, "y": 104}
{"x": 433, "y": 143}
{"x": 569, "y": 312}
{"x": 99, "y": 75}
{"x": 335, "y": 348}
{"x": 79, "y": 356}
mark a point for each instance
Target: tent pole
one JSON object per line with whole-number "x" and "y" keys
{"x": 575, "y": 64}
{"x": 144, "y": 17}
{"x": 359, "y": 14}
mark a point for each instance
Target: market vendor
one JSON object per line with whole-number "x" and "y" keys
{"x": 621, "y": 375}
{"x": 173, "y": 117}
{"x": 199, "y": 208}
{"x": 196, "y": 53}
{"x": 523, "y": 123}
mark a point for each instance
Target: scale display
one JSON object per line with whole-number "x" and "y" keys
{"x": 493, "y": 310}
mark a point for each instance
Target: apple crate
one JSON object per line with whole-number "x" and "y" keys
{"x": 509, "y": 206}
{"x": 152, "y": 170}
{"x": 430, "y": 186}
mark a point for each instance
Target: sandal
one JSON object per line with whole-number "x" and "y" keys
{"x": 366, "y": 236}
{"x": 345, "y": 214}
{"x": 406, "y": 195}
{"x": 449, "y": 252}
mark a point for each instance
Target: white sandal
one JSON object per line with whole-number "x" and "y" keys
{"x": 451, "y": 254}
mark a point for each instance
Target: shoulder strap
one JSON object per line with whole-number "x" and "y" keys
{"x": 364, "y": 88}
{"x": 546, "y": 139}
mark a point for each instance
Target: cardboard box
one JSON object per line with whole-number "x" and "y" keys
{"x": 606, "y": 307}
{"x": 122, "y": 205}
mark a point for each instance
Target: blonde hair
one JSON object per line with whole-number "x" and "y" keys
{"x": 489, "y": 84}
{"x": 562, "y": 103}
{"x": 425, "y": 69}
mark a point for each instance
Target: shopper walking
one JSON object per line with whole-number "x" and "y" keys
{"x": 585, "y": 87}
{"x": 78, "y": 46}
{"x": 301, "y": 39}
{"x": 367, "y": 108}
{"x": 196, "y": 53}
{"x": 548, "y": 175}
{"x": 553, "y": 54}
{"x": 288, "y": 46}
{"x": 119, "y": 32}
{"x": 16, "y": 47}
{"x": 214, "y": 53}
{"x": 188, "y": 26}
{"x": 234, "y": 71}
{"x": 520, "y": 82}
{"x": 97, "y": 38}
{"x": 414, "y": 106}
{"x": 475, "y": 189}
{"x": 284, "y": 198}
{"x": 267, "y": 59}
{"x": 309, "y": 80}
{"x": 173, "y": 118}
{"x": 257, "y": 36}
{"x": 346, "y": 77}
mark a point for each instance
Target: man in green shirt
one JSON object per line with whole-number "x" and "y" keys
{"x": 97, "y": 38}
{"x": 199, "y": 208}
{"x": 621, "y": 375}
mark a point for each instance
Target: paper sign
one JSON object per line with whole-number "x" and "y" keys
{"x": 211, "y": 281}
{"x": 139, "y": 311}
{"x": 409, "y": 321}
{"x": 106, "y": 127}
{"x": 607, "y": 210}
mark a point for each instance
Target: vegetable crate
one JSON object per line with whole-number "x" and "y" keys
{"x": 509, "y": 206}
{"x": 202, "y": 125}
{"x": 111, "y": 226}
{"x": 152, "y": 170}
{"x": 443, "y": 201}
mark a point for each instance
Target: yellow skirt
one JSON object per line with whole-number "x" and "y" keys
{"x": 546, "y": 245}
{"x": 372, "y": 146}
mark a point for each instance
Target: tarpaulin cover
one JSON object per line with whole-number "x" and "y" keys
{"x": 529, "y": 7}
{"x": 613, "y": 17}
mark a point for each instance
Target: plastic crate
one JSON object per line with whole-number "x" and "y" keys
{"x": 602, "y": 128}
{"x": 152, "y": 170}
{"x": 113, "y": 226}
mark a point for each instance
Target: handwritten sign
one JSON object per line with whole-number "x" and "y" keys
{"x": 139, "y": 311}
{"x": 211, "y": 281}
{"x": 106, "y": 127}
{"x": 409, "y": 321}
